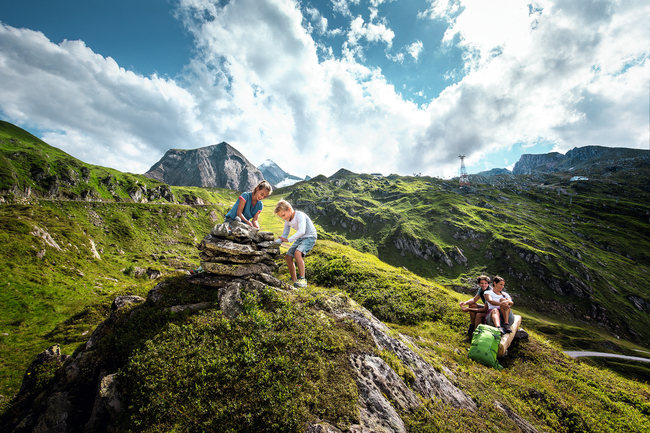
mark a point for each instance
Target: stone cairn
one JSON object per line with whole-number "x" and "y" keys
{"x": 237, "y": 258}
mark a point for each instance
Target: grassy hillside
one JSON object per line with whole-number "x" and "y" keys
{"x": 283, "y": 362}
{"x": 574, "y": 251}
{"x": 32, "y": 169}
{"x": 575, "y": 267}
{"x": 52, "y": 278}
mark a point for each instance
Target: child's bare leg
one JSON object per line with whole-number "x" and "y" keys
{"x": 505, "y": 312}
{"x": 495, "y": 317}
{"x": 479, "y": 319}
{"x": 472, "y": 314}
{"x": 292, "y": 268}
{"x": 301, "y": 263}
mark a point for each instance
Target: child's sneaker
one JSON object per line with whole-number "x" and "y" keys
{"x": 301, "y": 283}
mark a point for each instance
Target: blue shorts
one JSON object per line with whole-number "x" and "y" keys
{"x": 304, "y": 245}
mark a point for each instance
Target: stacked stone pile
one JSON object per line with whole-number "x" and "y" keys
{"x": 237, "y": 258}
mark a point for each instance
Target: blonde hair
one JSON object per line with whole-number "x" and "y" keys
{"x": 282, "y": 205}
{"x": 263, "y": 185}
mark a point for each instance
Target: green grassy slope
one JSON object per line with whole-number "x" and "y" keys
{"x": 31, "y": 168}
{"x": 283, "y": 362}
{"x": 58, "y": 296}
{"x": 575, "y": 251}
{"x": 45, "y": 287}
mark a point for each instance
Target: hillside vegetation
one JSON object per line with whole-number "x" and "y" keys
{"x": 574, "y": 251}
{"x": 32, "y": 169}
{"x": 283, "y": 363}
{"x": 391, "y": 247}
{"x": 65, "y": 261}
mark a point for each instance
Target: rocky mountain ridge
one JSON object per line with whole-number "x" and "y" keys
{"x": 582, "y": 160}
{"x": 216, "y": 166}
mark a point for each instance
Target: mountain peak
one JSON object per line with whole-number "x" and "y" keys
{"x": 276, "y": 176}
{"x": 217, "y": 166}
{"x": 342, "y": 173}
{"x": 584, "y": 158}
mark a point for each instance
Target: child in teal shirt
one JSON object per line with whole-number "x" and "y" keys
{"x": 248, "y": 206}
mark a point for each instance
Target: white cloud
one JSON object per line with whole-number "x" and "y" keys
{"x": 415, "y": 49}
{"x": 321, "y": 23}
{"x": 369, "y": 31}
{"x": 343, "y": 6}
{"x": 574, "y": 74}
{"x": 397, "y": 57}
{"x": 91, "y": 101}
{"x": 441, "y": 9}
{"x": 325, "y": 115}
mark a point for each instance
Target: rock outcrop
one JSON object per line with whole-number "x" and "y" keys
{"x": 58, "y": 386}
{"x": 237, "y": 258}
{"x": 428, "y": 382}
{"x": 217, "y": 166}
{"x": 584, "y": 158}
{"x": 543, "y": 163}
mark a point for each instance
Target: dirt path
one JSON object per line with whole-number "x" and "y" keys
{"x": 577, "y": 353}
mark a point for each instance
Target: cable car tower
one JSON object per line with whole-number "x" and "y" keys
{"x": 464, "y": 178}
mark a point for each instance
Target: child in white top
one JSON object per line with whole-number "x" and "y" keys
{"x": 499, "y": 304}
{"x": 303, "y": 239}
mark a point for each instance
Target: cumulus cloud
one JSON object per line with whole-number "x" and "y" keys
{"x": 415, "y": 49}
{"x": 569, "y": 75}
{"x": 321, "y": 23}
{"x": 343, "y": 6}
{"x": 103, "y": 113}
{"x": 369, "y": 31}
{"x": 568, "y": 72}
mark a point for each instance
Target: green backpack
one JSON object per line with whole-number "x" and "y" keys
{"x": 485, "y": 345}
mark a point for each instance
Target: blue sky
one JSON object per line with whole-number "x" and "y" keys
{"x": 141, "y": 35}
{"x": 371, "y": 86}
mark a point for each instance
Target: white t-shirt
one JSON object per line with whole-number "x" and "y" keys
{"x": 303, "y": 226}
{"x": 496, "y": 298}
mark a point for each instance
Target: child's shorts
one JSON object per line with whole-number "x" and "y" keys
{"x": 304, "y": 245}
{"x": 511, "y": 318}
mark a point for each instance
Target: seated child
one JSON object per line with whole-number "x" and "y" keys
{"x": 248, "y": 206}
{"x": 303, "y": 239}
{"x": 499, "y": 303}
{"x": 477, "y": 312}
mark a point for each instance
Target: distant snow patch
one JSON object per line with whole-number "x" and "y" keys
{"x": 287, "y": 182}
